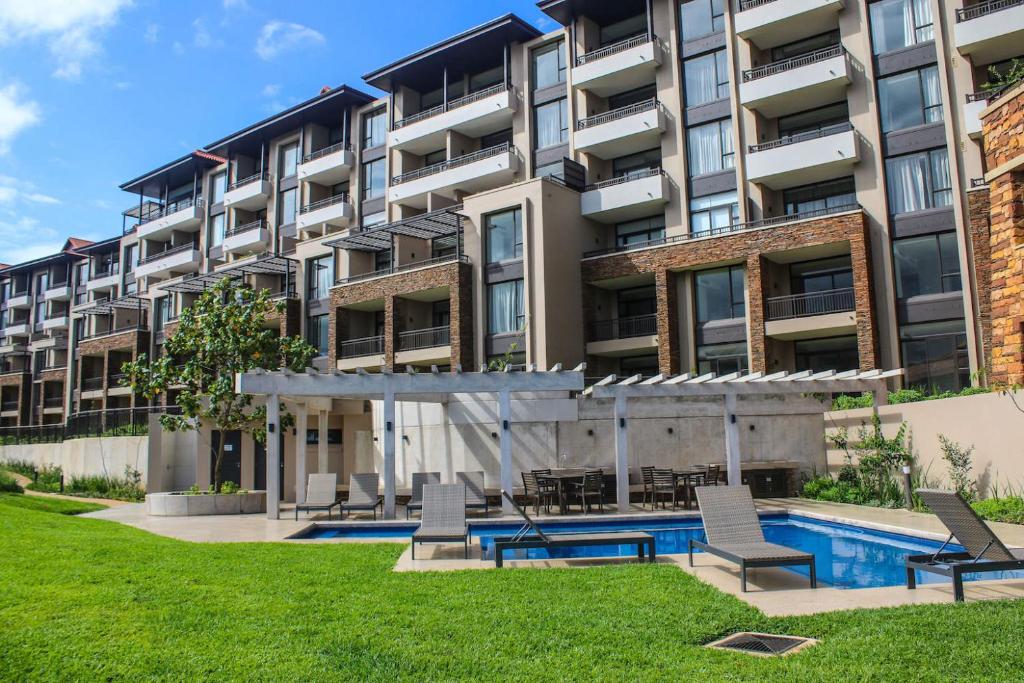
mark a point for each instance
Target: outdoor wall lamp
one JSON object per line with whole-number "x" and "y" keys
{"x": 504, "y": 425}
{"x": 732, "y": 419}
{"x": 494, "y": 435}
{"x": 590, "y": 432}
{"x": 405, "y": 438}
{"x": 622, "y": 423}
{"x": 270, "y": 427}
{"x": 671, "y": 431}
{"x": 388, "y": 426}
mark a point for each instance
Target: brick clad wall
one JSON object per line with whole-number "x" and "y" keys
{"x": 757, "y": 285}
{"x": 981, "y": 249}
{"x": 1003, "y": 129}
{"x": 666, "y": 295}
{"x": 23, "y": 381}
{"x": 136, "y": 341}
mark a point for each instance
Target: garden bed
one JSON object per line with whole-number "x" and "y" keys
{"x": 190, "y": 504}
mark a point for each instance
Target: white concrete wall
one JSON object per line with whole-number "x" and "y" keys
{"x": 103, "y": 456}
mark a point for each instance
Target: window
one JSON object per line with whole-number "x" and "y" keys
{"x": 640, "y": 231}
{"x": 552, "y": 123}
{"x": 623, "y": 30}
{"x": 316, "y": 333}
{"x": 805, "y": 46}
{"x": 896, "y": 24}
{"x": 814, "y": 119}
{"x": 637, "y": 301}
{"x": 440, "y": 314}
{"x": 714, "y": 211}
{"x": 431, "y": 158}
{"x": 81, "y": 276}
{"x": 320, "y": 276}
{"x": 722, "y": 359}
{"x": 443, "y": 247}
{"x": 645, "y": 366}
{"x": 40, "y": 311}
{"x": 719, "y": 294}
{"x": 910, "y": 99}
{"x": 701, "y": 18}
{"x": 42, "y": 282}
{"x": 636, "y": 163}
{"x": 918, "y": 181}
{"x": 706, "y": 78}
{"x": 710, "y": 148}
{"x": 824, "y": 275}
{"x": 374, "y": 218}
{"x": 131, "y": 257}
{"x": 832, "y": 353}
{"x": 161, "y": 312}
{"x": 289, "y": 159}
{"x": 929, "y": 264}
{"x": 218, "y": 186}
{"x": 217, "y": 230}
{"x": 374, "y": 180}
{"x": 832, "y": 194}
{"x": 287, "y": 207}
{"x": 505, "y": 307}
{"x": 382, "y": 260}
{"x": 504, "y": 236}
{"x": 935, "y": 356}
{"x": 549, "y": 65}
{"x": 375, "y": 125}
{"x": 486, "y": 79}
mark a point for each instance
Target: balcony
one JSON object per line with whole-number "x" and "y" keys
{"x": 59, "y": 322}
{"x": 183, "y": 216}
{"x": 58, "y": 291}
{"x": 320, "y": 217}
{"x": 622, "y": 131}
{"x": 248, "y": 193}
{"x": 403, "y": 268}
{"x": 19, "y": 300}
{"x": 975, "y": 104}
{"x": 473, "y": 115}
{"x": 17, "y": 329}
{"x": 430, "y": 345}
{"x": 800, "y": 159}
{"x": 796, "y": 84}
{"x": 361, "y": 353}
{"x": 632, "y": 196}
{"x": 990, "y": 31}
{"x": 617, "y": 68}
{"x": 623, "y": 336}
{"x": 125, "y": 329}
{"x": 249, "y": 237}
{"x": 103, "y": 279}
{"x": 327, "y": 166}
{"x": 174, "y": 261}
{"x": 804, "y": 316}
{"x": 468, "y": 174}
{"x": 769, "y": 23}
{"x": 92, "y": 384}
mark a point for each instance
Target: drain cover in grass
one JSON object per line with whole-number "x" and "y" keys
{"x": 762, "y": 644}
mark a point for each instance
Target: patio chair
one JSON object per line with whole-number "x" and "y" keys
{"x": 321, "y": 494}
{"x": 589, "y": 490}
{"x": 524, "y": 539}
{"x": 664, "y": 485}
{"x": 983, "y": 551}
{"x": 444, "y": 517}
{"x": 362, "y": 494}
{"x": 541, "y": 493}
{"x": 476, "y": 496}
{"x": 714, "y": 473}
{"x": 418, "y": 480}
{"x": 733, "y": 532}
{"x": 648, "y": 476}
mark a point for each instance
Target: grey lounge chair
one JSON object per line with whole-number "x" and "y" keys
{"x": 476, "y": 496}
{"x": 418, "y": 480}
{"x": 444, "y": 517}
{"x": 362, "y": 494}
{"x": 733, "y": 532}
{"x": 321, "y": 494}
{"x": 984, "y": 552}
{"x": 642, "y": 540}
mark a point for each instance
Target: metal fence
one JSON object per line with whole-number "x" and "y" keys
{"x": 367, "y": 346}
{"x": 609, "y": 50}
{"x": 815, "y": 303}
{"x": 983, "y": 8}
{"x": 425, "y": 338}
{"x": 92, "y": 423}
{"x": 624, "y": 328}
{"x": 442, "y": 166}
{"x": 791, "y": 63}
{"x": 620, "y": 113}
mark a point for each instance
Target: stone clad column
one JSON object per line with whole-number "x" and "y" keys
{"x": 756, "y": 340}
{"x": 863, "y": 292}
{"x": 666, "y": 292}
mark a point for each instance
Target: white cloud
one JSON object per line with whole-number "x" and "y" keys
{"x": 278, "y": 37}
{"x": 123, "y": 85}
{"x": 13, "y": 190}
{"x": 23, "y": 239}
{"x": 271, "y": 89}
{"x": 152, "y": 33}
{"x": 71, "y": 28}
{"x": 236, "y": 4}
{"x": 178, "y": 48}
{"x": 16, "y": 114}
{"x": 202, "y": 38}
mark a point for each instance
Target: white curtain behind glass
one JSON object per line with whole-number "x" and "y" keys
{"x": 932, "y": 97}
{"x": 701, "y": 81}
{"x": 906, "y": 178}
{"x": 705, "y": 149}
{"x": 505, "y": 307}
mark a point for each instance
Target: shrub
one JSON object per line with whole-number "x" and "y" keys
{"x": 7, "y": 483}
{"x": 1009, "y": 509}
{"x": 22, "y": 467}
{"x": 48, "y": 479}
{"x": 958, "y": 461}
{"x": 905, "y": 396}
{"x": 128, "y": 488}
{"x": 849, "y": 401}
{"x": 829, "y": 490}
{"x": 229, "y": 487}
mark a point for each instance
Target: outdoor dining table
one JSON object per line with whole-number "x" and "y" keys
{"x": 561, "y": 480}
{"x": 689, "y": 478}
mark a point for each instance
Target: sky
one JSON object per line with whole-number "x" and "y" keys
{"x": 96, "y": 92}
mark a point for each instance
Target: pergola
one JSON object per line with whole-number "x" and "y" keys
{"x": 268, "y": 264}
{"x": 386, "y": 386}
{"x": 728, "y": 387}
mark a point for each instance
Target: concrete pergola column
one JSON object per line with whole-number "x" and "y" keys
{"x": 505, "y": 444}
{"x": 732, "y": 441}
{"x": 389, "y": 455}
{"x": 321, "y": 445}
{"x": 273, "y": 457}
{"x": 301, "y": 414}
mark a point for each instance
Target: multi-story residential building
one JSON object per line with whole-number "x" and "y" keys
{"x": 658, "y": 186}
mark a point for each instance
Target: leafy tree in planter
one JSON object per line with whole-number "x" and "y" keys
{"x": 221, "y": 334}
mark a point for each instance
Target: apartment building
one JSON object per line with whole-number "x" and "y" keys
{"x": 657, "y": 186}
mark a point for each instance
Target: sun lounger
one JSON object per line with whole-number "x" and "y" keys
{"x": 444, "y": 517}
{"x": 362, "y": 494}
{"x": 476, "y": 497}
{"x": 419, "y": 479}
{"x": 321, "y": 494}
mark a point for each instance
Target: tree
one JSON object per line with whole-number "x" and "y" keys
{"x": 223, "y": 333}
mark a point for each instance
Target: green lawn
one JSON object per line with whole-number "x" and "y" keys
{"x": 84, "y": 599}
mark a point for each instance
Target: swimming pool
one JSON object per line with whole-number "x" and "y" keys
{"x": 846, "y": 556}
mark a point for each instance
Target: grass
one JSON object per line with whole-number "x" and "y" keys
{"x": 84, "y": 599}
{"x": 46, "y": 504}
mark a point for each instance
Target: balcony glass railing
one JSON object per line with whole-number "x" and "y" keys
{"x": 92, "y": 383}
{"x": 784, "y": 65}
{"x": 173, "y": 207}
{"x": 367, "y": 346}
{"x": 811, "y": 304}
{"x": 629, "y": 177}
{"x": 443, "y": 166}
{"x": 624, "y": 328}
{"x": 257, "y": 224}
{"x": 424, "y": 339}
{"x": 115, "y": 330}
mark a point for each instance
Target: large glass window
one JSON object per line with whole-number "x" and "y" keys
{"x": 504, "y": 236}
{"x": 823, "y": 275}
{"x": 929, "y": 264}
{"x": 722, "y": 359}
{"x": 707, "y": 78}
{"x": 896, "y": 24}
{"x": 636, "y": 163}
{"x": 805, "y": 46}
{"x": 375, "y": 127}
{"x": 645, "y": 366}
{"x": 289, "y": 159}
{"x": 549, "y": 66}
{"x": 320, "y": 276}
{"x": 161, "y": 312}
{"x": 505, "y": 307}
{"x": 217, "y": 230}
{"x": 910, "y": 99}
{"x": 701, "y": 18}
{"x": 935, "y": 356}
{"x": 814, "y": 119}
{"x": 218, "y": 186}
{"x": 623, "y": 30}
{"x": 832, "y": 353}
{"x": 287, "y": 207}
{"x": 316, "y": 333}
{"x": 918, "y": 181}
{"x": 719, "y": 294}
{"x": 374, "y": 179}
{"x": 636, "y": 301}
{"x": 831, "y": 194}
{"x": 552, "y": 123}
{"x": 714, "y": 211}
{"x": 640, "y": 231}
{"x": 710, "y": 147}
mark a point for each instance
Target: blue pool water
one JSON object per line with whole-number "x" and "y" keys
{"x": 846, "y": 556}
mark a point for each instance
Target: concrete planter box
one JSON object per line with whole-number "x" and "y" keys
{"x": 180, "y": 504}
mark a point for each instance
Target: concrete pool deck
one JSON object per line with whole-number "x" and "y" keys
{"x": 776, "y": 592}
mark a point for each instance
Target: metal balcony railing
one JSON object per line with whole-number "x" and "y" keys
{"x": 815, "y": 303}
{"x": 265, "y": 175}
{"x": 257, "y": 224}
{"x": 367, "y": 346}
{"x": 425, "y": 338}
{"x": 992, "y": 93}
{"x": 9, "y": 405}
{"x": 116, "y": 330}
{"x": 983, "y": 8}
{"x": 173, "y": 207}
{"x": 450, "y": 105}
{"x": 624, "y": 328}
{"x": 111, "y": 269}
{"x": 181, "y": 248}
{"x": 620, "y": 113}
{"x": 613, "y": 49}
{"x": 822, "y": 132}
{"x": 751, "y": 4}
{"x": 340, "y": 198}
{"x": 784, "y": 65}
{"x": 92, "y": 383}
{"x": 392, "y": 270}
{"x": 114, "y": 381}
{"x": 442, "y": 166}
{"x": 629, "y": 177}
{"x": 325, "y": 151}
{"x": 53, "y": 402}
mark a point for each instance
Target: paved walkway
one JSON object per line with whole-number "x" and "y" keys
{"x": 24, "y": 481}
